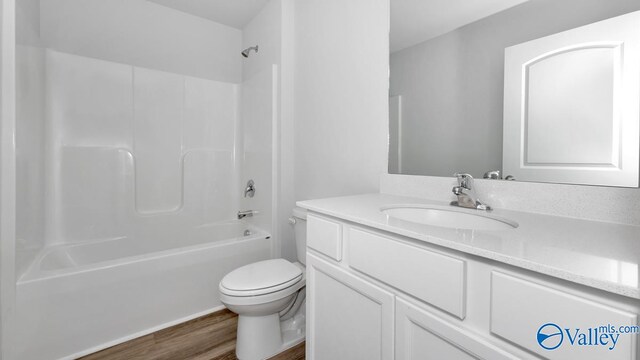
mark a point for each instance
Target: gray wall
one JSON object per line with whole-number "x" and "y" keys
{"x": 452, "y": 86}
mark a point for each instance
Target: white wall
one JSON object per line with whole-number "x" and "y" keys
{"x": 286, "y": 132}
{"x": 144, "y": 34}
{"x": 452, "y": 86}
{"x": 341, "y": 96}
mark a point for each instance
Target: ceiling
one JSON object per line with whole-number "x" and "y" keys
{"x": 412, "y": 21}
{"x": 415, "y": 21}
{"x": 234, "y": 13}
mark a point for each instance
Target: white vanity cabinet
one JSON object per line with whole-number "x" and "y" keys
{"x": 421, "y": 335}
{"x": 352, "y": 319}
{"x": 376, "y": 295}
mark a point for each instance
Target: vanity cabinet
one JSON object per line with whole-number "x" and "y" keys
{"x": 351, "y": 318}
{"x": 377, "y": 295}
{"x": 421, "y": 335}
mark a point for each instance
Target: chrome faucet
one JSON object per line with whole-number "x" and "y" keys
{"x": 246, "y": 213}
{"x": 466, "y": 193}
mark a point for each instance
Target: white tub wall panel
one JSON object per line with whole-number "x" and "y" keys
{"x": 30, "y": 139}
{"x": 57, "y": 320}
{"x": 210, "y": 112}
{"x": 209, "y": 139}
{"x": 158, "y": 104}
{"x": 94, "y": 193}
{"x": 257, "y": 116}
{"x": 208, "y": 186}
{"x": 96, "y": 110}
{"x": 90, "y": 101}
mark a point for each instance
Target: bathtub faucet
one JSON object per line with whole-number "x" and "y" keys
{"x": 244, "y": 214}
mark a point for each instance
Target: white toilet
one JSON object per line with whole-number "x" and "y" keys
{"x": 268, "y": 297}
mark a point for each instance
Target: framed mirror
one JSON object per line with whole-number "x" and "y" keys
{"x": 563, "y": 107}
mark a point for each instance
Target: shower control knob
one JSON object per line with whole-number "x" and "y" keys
{"x": 250, "y": 190}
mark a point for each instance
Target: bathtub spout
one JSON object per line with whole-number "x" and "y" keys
{"x": 244, "y": 214}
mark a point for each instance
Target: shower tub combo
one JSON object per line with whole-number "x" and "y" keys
{"x": 128, "y": 224}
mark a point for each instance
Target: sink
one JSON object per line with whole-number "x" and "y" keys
{"x": 448, "y": 217}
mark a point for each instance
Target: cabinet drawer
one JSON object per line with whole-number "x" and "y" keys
{"x": 324, "y": 236}
{"x": 429, "y": 276}
{"x": 526, "y": 312}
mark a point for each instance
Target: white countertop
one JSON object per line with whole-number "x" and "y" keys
{"x": 602, "y": 255}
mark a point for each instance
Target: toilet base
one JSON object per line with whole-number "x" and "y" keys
{"x": 261, "y": 337}
{"x": 258, "y": 336}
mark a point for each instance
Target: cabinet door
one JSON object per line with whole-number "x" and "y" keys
{"x": 424, "y": 336}
{"x": 348, "y": 318}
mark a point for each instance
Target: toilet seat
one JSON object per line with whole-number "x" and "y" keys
{"x": 261, "y": 278}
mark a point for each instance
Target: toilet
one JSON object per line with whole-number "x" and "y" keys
{"x": 269, "y": 298}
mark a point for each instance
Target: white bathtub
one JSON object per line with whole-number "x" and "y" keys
{"x": 80, "y": 298}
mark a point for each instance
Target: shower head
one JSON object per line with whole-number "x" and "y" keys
{"x": 246, "y": 51}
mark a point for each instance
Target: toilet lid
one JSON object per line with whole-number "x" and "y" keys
{"x": 261, "y": 277}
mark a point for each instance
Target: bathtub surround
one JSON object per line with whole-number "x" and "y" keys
{"x": 133, "y": 142}
{"x": 140, "y": 170}
{"x": 114, "y": 133}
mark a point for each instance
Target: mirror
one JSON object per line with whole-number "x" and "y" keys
{"x": 569, "y": 113}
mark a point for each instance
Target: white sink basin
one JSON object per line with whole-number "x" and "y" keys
{"x": 448, "y": 217}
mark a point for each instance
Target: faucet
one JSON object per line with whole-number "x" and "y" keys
{"x": 466, "y": 193}
{"x": 246, "y": 213}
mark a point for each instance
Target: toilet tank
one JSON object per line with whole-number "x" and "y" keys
{"x": 299, "y": 220}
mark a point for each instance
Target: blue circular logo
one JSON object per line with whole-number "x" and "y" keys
{"x": 550, "y": 336}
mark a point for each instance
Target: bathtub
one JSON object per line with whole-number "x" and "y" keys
{"x": 76, "y": 299}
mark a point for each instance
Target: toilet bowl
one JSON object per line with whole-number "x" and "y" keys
{"x": 269, "y": 298}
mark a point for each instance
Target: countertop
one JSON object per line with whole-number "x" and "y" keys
{"x": 601, "y": 255}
